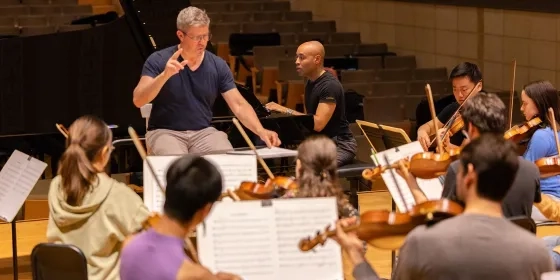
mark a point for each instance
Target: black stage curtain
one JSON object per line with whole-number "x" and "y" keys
{"x": 57, "y": 78}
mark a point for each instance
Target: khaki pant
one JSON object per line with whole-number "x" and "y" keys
{"x": 161, "y": 142}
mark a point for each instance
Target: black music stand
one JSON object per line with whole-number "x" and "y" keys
{"x": 383, "y": 137}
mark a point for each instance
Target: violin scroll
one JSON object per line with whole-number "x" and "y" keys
{"x": 320, "y": 238}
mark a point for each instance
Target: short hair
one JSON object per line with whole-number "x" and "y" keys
{"x": 466, "y": 69}
{"x": 486, "y": 112}
{"x": 495, "y": 162}
{"x": 545, "y": 96}
{"x": 192, "y": 16}
{"x": 192, "y": 183}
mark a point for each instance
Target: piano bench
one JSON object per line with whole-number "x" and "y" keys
{"x": 353, "y": 173}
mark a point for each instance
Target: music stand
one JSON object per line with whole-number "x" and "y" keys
{"x": 381, "y": 138}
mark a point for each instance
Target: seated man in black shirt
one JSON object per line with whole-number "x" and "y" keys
{"x": 324, "y": 99}
{"x": 486, "y": 113}
{"x": 465, "y": 77}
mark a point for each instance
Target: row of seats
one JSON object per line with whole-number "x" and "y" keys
{"x": 401, "y": 88}
{"x": 21, "y": 10}
{"x": 326, "y": 26}
{"x": 37, "y": 20}
{"x": 37, "y": 2}
{"x": 39, "y": 30}
{"x": 419, "y": 74}
{"x": 261, "y": 16}
{"x": 253, "y": 6}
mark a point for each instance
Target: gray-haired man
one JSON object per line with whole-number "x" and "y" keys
{"x": 182, "y": 83}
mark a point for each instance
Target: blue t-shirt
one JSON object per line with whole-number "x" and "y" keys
{"x": 543, "y": 144}
{"x": 185, "y": 101}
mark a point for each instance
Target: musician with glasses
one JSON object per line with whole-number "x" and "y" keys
{"x": 182, "y": 82}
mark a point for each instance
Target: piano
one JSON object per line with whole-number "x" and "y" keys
{"x": 95, "y": 71}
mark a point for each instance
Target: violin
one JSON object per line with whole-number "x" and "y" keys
{"x": 550, "y": 166}
{"x": 433, "y": 170}
{"x": 521, "y": 134}
{"x": 379, "y": 228}
{"x": 272, "y": 188}
{"x": 387, "y": 230}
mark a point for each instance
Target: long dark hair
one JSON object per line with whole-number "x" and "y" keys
{"x": 545, "y": 96}
{"x": 87, "y": 137}
{"x": 318, "y": 175}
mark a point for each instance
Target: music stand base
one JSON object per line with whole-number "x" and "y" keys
{"x": 14, "y": 250}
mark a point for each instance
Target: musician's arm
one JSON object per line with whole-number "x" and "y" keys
{"x": 243, "y": 110}
{"x": 238, "y": 105}
{"x": 409, "y": 264}
{"x": 549, "y": 207}
{"x": 364, "y": 271}
{"x": 152, "y": 80}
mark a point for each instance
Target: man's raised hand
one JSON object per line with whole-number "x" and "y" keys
{"x": 173, "y": 66}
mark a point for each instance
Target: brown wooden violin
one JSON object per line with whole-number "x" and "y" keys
{"x": 521, "y": 134}
{"x": 550, "y": 166}
{"x": 274, "y": 187}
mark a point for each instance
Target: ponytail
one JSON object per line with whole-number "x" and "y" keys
{"x": 76, "y": 172}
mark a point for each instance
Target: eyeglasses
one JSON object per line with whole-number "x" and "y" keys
{"x": 199, "y": 38}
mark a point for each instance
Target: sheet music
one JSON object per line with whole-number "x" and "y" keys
{"x": 234, "y": 170}
{"x": 432, "y": 187}
{"x": 17, "y": 178}
{"x": 267, "y": 153}
{"x": 261, "y": 242}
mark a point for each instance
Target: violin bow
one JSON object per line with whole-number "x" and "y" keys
{"x": 511, "y": 93}
{"x": 246, "y": 137}
{"x": 396, "y": 184}
{"x": 554, "y": 128}
{"x": 62, "y": 129}
{"x": 450, "y": 121}
{"x": 140, "y": 148}
{"x": 433, "y": 112}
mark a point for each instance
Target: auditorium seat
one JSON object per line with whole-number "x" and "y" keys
{"x": 396, "y": 62}
{"x": 309, "y": 36}
{"x": 365, "y": 89}
{"x": 390, "y": 88}
{"x": 73, "y": 27}
{"x": 9, "y": 31}
{"x": 386, "y": 75}
{"x": 268, "y": 16}
{"x": 221, "y": 31}
{"x": 370, "y": 62}
{"x": 234, "y": 17}
{"x": 298, "y": 15}
{"x": 321, "y": 26}
{"x": 431, "y": 74}
{"x": 257, "y": 27}
{"x": 281, "y": 6}
{"x": 357, "y": 76}
{"x": 32, "y": 21}
{"x": 289, "y": 27}
{"x": 9, "y": 2}
{"x": 383, "y": 109}
{"x": 345, "y": 37}
{"x": 246, "y": 6}
{"x": 337, "y": 50}
{"x": 7, "y": 21}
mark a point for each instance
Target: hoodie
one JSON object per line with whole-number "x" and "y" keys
{"x": 109, "y": 212}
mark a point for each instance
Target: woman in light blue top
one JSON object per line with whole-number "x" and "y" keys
{"x": 536, "y": 98}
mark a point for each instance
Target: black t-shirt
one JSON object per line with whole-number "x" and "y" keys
{"x": 525, "y": 189}
{"x": 327, "y": 89}
{"x": 445, "y": 115}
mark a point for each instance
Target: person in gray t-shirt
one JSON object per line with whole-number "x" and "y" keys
{"x": 478, "y": 244}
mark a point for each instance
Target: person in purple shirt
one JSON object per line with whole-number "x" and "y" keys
{"x": 193, "y": 185}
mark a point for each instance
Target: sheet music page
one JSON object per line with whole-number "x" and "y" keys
{"x": 260, "y": 242}
{"x": 235, "y": 168}
{"x": 153, "y": 196}
{"x": 17, "y": 178}
{"x": 267, "y": 153}
{"x": 432, "y": 187}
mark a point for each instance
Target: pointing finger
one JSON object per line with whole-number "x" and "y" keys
{"x": 184, "y": 62}
{"x": 176, "y": 54}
